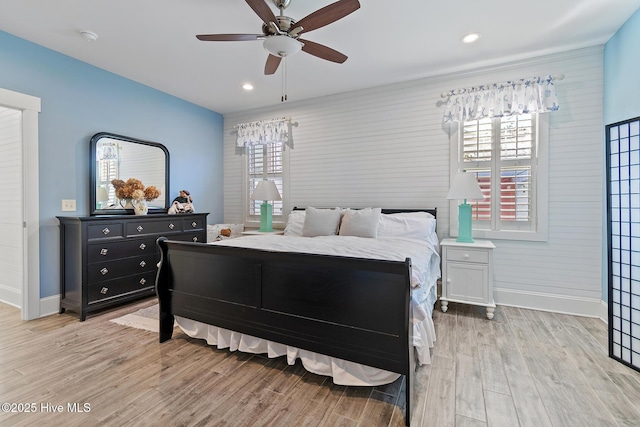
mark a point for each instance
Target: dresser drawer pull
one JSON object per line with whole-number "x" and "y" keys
{"x": 104, "y": 251}
{"x": 104, "y": 291}
{"x": 104, "y": 271}
{"x": 143, "y": 281}
{"x": 142, "y": 263}
{"x": 142, "y": 246}
{"x": 195, "y": 239}
{"x": 139, "y": 228}
{"x": 106, "y": 231}
{"x": 194, "y": 224}
{"x": 171, "y": 226}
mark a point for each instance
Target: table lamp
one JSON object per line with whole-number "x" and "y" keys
{"x": 266, "y": 190}
{"x": 465, "y": 187}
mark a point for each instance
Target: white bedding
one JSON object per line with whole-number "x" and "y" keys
{"x": 425, "y": 272}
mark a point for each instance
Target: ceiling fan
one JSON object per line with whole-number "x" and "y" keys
{"x": 281, "y": 34}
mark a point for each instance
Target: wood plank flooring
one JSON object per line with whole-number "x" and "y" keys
{"x": 523, "y": 368}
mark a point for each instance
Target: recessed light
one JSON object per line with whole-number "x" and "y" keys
{"x": 247, "y": 86}
{"x": 470, "y": 38}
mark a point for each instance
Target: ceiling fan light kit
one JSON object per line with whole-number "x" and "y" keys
{"x": 281, "y": 45}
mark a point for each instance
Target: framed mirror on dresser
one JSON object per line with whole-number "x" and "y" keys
{"x": 110, "y": 257}
{"x": 121, "y": 157}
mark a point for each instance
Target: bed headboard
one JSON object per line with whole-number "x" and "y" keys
{"x": 432, "y": 211}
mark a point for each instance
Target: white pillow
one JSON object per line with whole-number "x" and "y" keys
{"x": 321, "y": 222}
{"x": 295, "y": 222}
{"x": 360, "y": 222}
{"x": 415, "y": 225}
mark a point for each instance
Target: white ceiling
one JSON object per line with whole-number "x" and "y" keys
{"x": 153, "y": 41}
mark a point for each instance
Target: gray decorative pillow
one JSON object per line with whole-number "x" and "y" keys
{"x": 361, "y": 222}
{"x": 321, "y": 222}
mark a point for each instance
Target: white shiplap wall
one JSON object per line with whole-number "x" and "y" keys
{"x": 387, "y": 146}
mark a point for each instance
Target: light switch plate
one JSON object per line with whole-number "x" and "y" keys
{"x": 68, "y": 205}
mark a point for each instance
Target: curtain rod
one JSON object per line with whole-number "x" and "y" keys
{"x": 284, "y": 119}
{"x": 457, "y": 92}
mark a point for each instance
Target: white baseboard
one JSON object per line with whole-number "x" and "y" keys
{"x": 588, "y": 307}
{"x": 10, "y": 296}
{"x": 49, "y": 305}
{"x": 604, "y": 312}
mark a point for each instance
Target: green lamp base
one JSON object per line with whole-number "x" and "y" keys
{"x": 266, "y": 211}
{"x": 465, "y": 234}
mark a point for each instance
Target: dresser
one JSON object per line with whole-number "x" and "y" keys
{"x": 467, "y": 274}
{"x": 112, "y": 259}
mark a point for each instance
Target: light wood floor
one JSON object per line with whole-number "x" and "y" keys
{"x": 524, "y": 368}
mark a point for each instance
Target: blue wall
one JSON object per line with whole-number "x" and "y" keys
{"x": 622, "y": 73}
{"x": 79, "y": 100}
{"x": 621, "y": 89}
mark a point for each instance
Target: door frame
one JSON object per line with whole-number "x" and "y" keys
{"x": 30, "y": 107}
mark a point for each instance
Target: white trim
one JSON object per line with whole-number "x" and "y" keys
{"x": 10, "y": 296}
{"x": 30, "y": 107}
{"x": 604, "y": 312}
{"x": 564, "y": 304}
{"x": 49, "y": 305}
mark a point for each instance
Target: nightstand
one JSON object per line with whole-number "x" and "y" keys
{"x": 467, "y": 274}
{"x": 261, "y": 233}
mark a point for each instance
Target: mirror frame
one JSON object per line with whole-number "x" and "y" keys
{"x": 93, "y": 179}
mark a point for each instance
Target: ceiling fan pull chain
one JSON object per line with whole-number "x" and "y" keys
{"x": 284, "y": 80}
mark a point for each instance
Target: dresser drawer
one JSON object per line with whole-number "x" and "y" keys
{"x": 105, "y": 230}
{"x": 140, "y": 228}
{"x": 101, "y": 271}
{"x": 198, "y": 223}
{"x": 107, "y": 251}
{"x": 139, "y": 283}
{"x": 196, "y": 236}
{"x": 467, "y": 255}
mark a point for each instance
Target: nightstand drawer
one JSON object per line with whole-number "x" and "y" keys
{"x": 464, "y": 255}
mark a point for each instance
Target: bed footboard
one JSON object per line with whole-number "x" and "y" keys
{"x": 350, "y": 308}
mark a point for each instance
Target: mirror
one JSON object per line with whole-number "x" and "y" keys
{"x": 120, "y": 157}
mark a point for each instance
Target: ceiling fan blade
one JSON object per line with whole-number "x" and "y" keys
{"x": 272, "y": 64}
{"x": 323, "y": 52}
{"x": 327, "y": 15}
{"x": 228, "y": 37}
{"x": 262, "y": 10}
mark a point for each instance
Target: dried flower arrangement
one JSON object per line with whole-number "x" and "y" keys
{"x": 134, "y": 189}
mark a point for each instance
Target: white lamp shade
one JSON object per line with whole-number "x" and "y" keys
{"x": 266, "y": 190}
{"x": 465, "y": 186}
{"x": 101, "y": 195}
{"x": 280, "y": 45}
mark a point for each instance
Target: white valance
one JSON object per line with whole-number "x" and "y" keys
{"x": 524, "y": 96}
{"x": 262, "y": 132}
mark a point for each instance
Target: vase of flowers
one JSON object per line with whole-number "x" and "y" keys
{"x": 133, "y": 194}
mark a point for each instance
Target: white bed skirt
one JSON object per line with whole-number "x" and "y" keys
{"x": 342, "y": 371}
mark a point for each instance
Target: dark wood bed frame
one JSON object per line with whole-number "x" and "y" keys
{"x": 350, "y": 308}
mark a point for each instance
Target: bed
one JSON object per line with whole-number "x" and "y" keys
{"x": 348, "y": 305}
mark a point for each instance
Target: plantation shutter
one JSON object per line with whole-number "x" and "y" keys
{"x": 501, "y": 153}
{"x": 264, "y": 162}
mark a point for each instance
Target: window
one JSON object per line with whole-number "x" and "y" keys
{"x": 264, "y": 161}
{"x": 508, "y": 157}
